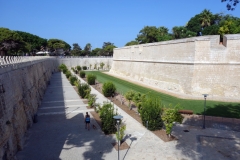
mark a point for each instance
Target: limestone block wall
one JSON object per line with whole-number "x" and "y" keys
{"x": 86, "y": 61}
{"x": 21, "y": 91}
{"x": 191, "y": 66}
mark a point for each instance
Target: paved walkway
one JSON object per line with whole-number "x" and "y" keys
{"x": 60, "y": 134}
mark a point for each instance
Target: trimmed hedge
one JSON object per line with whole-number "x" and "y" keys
{"x": 91, "y": 79}
{"x": 82, "y": 74}
{"x": 108, "y": 89}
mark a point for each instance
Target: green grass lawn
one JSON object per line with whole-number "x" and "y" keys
{"x": 214, "y": 108}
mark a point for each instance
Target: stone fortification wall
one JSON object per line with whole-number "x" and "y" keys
{"x": 86, "y": 61}
{"x": 191, "y": 66}
{"x": 22, "y": 86}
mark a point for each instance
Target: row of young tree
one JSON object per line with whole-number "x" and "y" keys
{"x": 20, "y": 43}
{"x": 205, "y": 23}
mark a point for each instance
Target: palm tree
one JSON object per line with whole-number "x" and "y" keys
{"x": 205, "y": 18}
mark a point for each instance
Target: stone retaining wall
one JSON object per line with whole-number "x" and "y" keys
{"x": 22, "y": 87}
{"x": 191, "y": 66}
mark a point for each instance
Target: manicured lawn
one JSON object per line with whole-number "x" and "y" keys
{"x": 214, "y": 108}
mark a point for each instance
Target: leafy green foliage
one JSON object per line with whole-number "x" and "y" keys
{"x": 122, "y": 129}
{"x": 151, "y": 114}
{"x": 101, "y": 65}
{"x": 106, "y": 114}
{"x": 73, "y": 79}
{"x": 34, "y": 42}
{"x": 62, "y": 66}
{"x": 55, "y": 44}
{"x": 79, "y": 68}
{"x": 76, "y": 51}
{"x": 84, "y": 90}
{"x": 91, "y": 79}
{"x": 82, "y": 74}
{"x": 10, "y": 42}
{"x": 138, "y": 99}
{"x": 108, "y": 89}
{"x": 131, "y": 43}
{"x": 91, "y": 100}
{"x": 169, "y": 116}
{"x": 129, "y": 96}
{"x": 84, "y": 67}
{"x": 68, "y": 73}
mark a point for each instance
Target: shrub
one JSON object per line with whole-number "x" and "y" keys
{"x": 91, "y": 79}
{"x": 91, "y": 100}
{"x": 122, "y": 129}
{"x": 106, "y": 114}
{"x": 82, "y": 74}
{"x": 138, "y": 100}
{"x": 108, "y": 89}
{"x": 76, "y": 83}
{"x": 151, "y": 113}
{"x": 62, "y": 66}
{"x": 64, "y": 70}
{"x": 79, "y": 68}
{"x": 129, "y": 96}
{"x": 169, "y": 116}
{"x": 73, "y": 79}
{"x": 68, "y": 74}
{"x": 84, "y": 67}
{"x": 84, "y": 90}
{"x": 101, "y": 65}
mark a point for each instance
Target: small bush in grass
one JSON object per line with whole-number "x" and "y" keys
{"x": 84, "y": 67}
{"x": 151, "y": 114}
{"x": 82, "y": 74}
{"x": 84, "y": 90}
{"x": 169, "y": 116}
{"x": 79, "y": 68}
{"x": 73, "y": 79}
{"x": 108, "y": 89}
{"x": 68, "y": 74}
{"x": 91, "y": 79}
{"x": 106, "y": 114}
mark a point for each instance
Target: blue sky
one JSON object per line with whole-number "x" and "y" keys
{"x": 95, "y": 21}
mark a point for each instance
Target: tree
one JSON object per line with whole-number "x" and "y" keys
{"x": 10, "y": 42}
{"x": 163, "y": 34}
{"x": 96, "y": 52}
{"x": 107, "y": 49}
{"x": 231, "y": 5}
{"x": 147, "y": 35}
{"x": 129, "y": 96}
{"x": 131, "y": 43}
{"x": 55, "y": 44}
{"x": 33, "y": 42}
{"x": 205, "y": 18}
{"x": 87, "y": 50}
{"x": 182, "y": 32}
{"x": 101, "y": 65}
{"x": 76, "y": 51}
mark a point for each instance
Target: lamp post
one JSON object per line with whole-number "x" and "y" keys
{"x": 205, "y": 97}
{"x": 118, "y": 118}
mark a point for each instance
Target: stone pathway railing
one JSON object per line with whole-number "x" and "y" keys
{"x": 8, "y": 63}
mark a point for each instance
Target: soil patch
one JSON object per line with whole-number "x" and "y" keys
{"x": 122, "y": 146}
